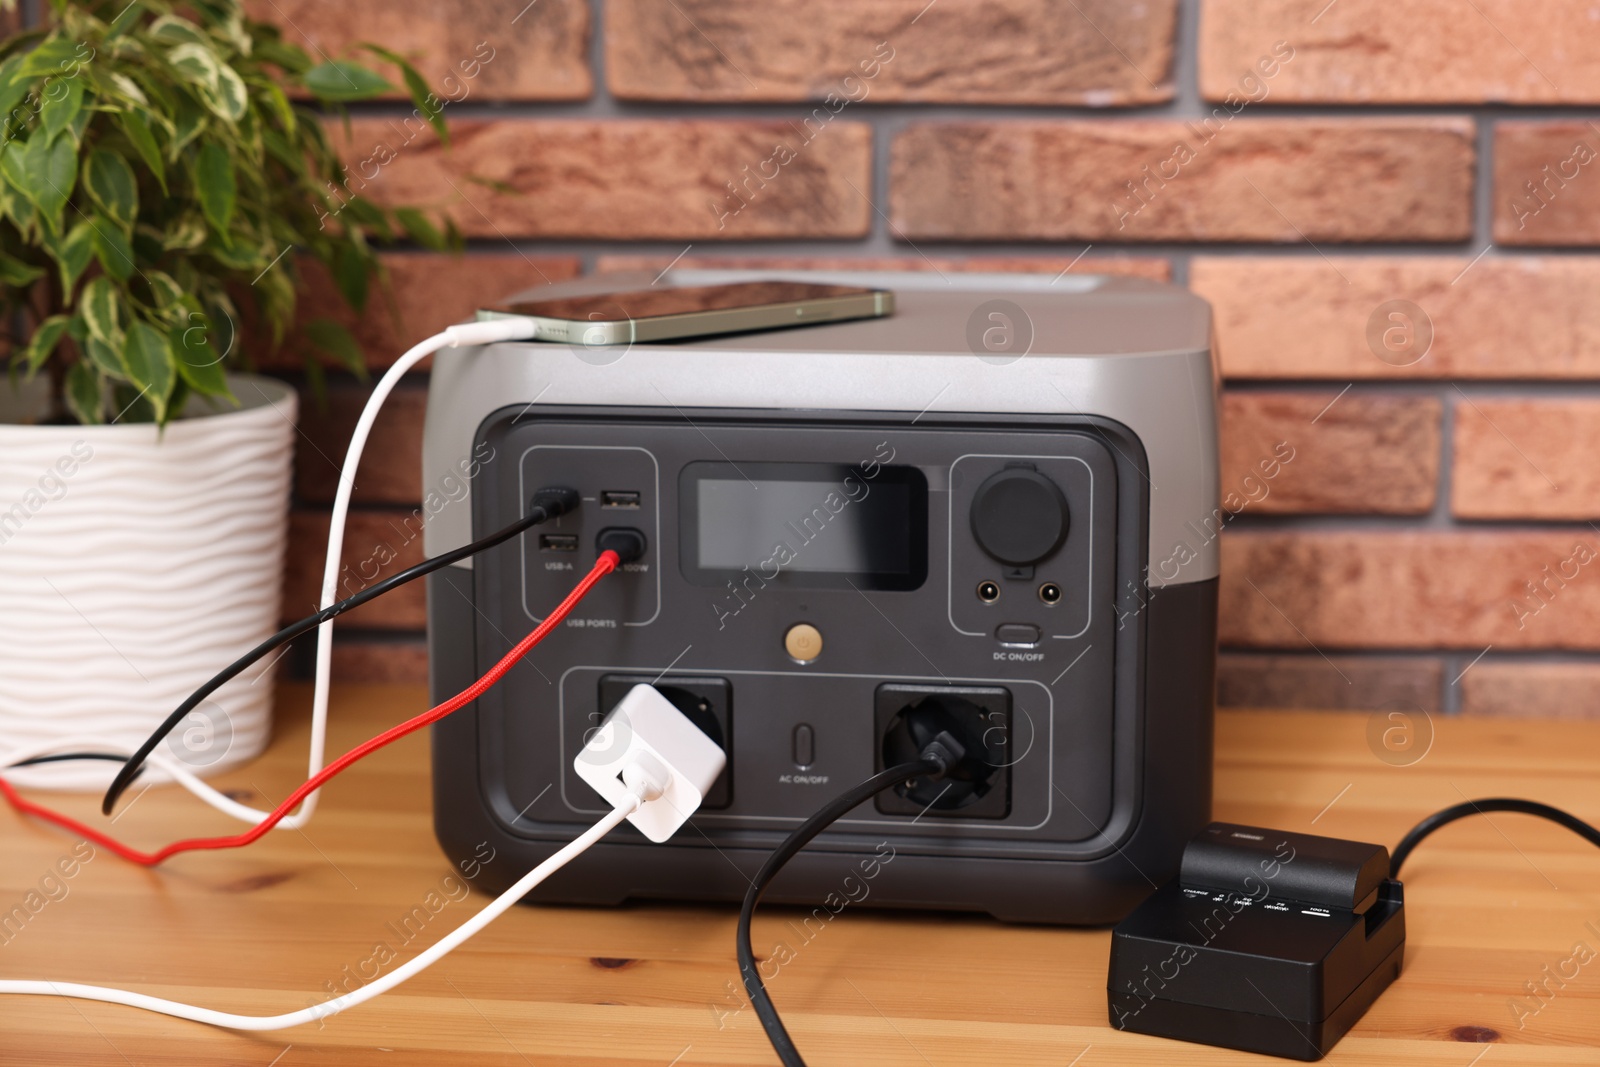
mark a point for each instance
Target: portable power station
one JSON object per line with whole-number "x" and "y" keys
{"x": 993, "y": 512}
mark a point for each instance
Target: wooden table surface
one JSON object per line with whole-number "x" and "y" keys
{"x": 1492, "y": 902}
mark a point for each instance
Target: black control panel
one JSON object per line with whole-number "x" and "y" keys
{"x": 813, "y": 593}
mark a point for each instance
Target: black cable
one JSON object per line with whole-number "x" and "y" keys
{"x": 69, "y": 757}
{"x": 548, "y": 503}
{"x": 934, "y": 762}
{"x": 1484, "y": 807}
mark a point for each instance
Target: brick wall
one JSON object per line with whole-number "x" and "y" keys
{"x": 1313, "y": 168}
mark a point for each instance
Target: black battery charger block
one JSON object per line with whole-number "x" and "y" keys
{"x": 1268, "y": 941}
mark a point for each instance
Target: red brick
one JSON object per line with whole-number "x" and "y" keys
{"x": 1501, "y": 317}
{"x": 1306, "y": 680}
{"x": 1526, "y": 459}
{"x": 485, "y": 50}
{"x": 1547, "y": 183}
{"x": 1532, "y": 690}
{"x": 427, "y": 293}
{"x": 623, "y": 179}
{"x": 377, "y": 544}
{"x": 387, "y": 662}
{"x": 1097, "y": 53}
{"x": 391, "y": 463}
{"x": 1398, "y": 179}
{"x": 1151, "y": 267}
{"x": 1325, "y": 590}
{"x": 1354, "y": 454}
{"x": 1418, "y": 52}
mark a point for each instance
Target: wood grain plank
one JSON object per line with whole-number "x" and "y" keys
{"x": 274, "y": 927}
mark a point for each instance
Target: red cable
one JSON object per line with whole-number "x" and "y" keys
{"x": 603, "y": 566}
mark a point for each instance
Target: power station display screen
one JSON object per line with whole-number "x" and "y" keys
{"x": 804, "y": 524}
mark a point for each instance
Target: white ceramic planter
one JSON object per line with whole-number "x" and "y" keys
{"x": 134, "y": 564}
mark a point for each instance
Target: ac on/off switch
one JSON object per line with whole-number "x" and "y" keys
{"x": 805, "y": 746}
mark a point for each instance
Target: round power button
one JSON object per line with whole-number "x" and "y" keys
{"x": 803, "y": 642}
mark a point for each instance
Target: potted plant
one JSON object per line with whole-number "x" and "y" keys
{"x": 158, "y": 184}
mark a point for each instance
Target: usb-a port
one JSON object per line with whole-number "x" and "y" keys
{"x": 619, "y": 498}
{"x": 558, "y": 542}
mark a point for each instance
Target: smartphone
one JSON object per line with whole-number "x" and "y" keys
{"x": 667, "y": 313}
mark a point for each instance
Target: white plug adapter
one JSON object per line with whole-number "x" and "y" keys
{"x": 647, "y": 740}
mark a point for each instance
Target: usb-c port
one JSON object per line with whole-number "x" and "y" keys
{"x": 558, "y": 542}
{"x": 618, "y": 498}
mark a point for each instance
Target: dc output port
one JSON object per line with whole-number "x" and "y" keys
{"x": 988, "y": 592}
{"x": 1050, "y": 593}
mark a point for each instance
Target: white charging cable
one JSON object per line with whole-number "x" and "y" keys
{"x": 501, "y": 904}
{"x": 667, "y": 767}
{"x": 490, "y": 331}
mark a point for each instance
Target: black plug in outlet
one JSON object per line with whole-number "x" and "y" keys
{"x": 979, "y": 717}
{"x": 706, "y": 702}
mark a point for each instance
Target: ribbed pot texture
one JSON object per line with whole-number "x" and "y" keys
{"x": 134, "y": 564}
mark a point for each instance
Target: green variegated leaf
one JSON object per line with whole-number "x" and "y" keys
{"x": 85, "y": 394}
{"x": 279, "y": 101}
{"x": 129, "y": 88}
{"x": 100, "y": 304}
{"x": 13, "y": 168}
{"x": 11, "y": 202}
{"x": 107, "y": 360}
{"x": 51, "y": 170}
{"x": 187, "y": 235}
{"x": 236, "y": 256}
{"x": 175, "y": 30}
{"x": 14, "y": 272}
{"x": 426, "y": 101}
{"x": 336, "y": 341}
{"x": 113, "y": 250}
{"x": 188, "y": 122}
{"x": 232, "y": 27}
{"x": 72, "y": 253}
{"x": 62, "y": 105}
{"x": 196, "y": 62}
{"x": 150, "y": 362}
{"x": 165, "y": 289}
{"x": 144, "y": 142}
{"x": 420, "y": 230}
{"x": 289, "y": 59}
{"x": 200, "y": 357}
{"x": 215, "y": 187}
{"x": 343, "y": 81}
{"x": 111, "y": 183}
{"x": 125, "y": 20}
{"x": 231, "y": 98}
{"x": 53, "y": 56}
{"x": 43, "y": 342}
{"x": 13, "y": 87}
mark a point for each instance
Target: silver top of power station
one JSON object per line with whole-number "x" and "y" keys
{"x": 1133, "y": 351}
